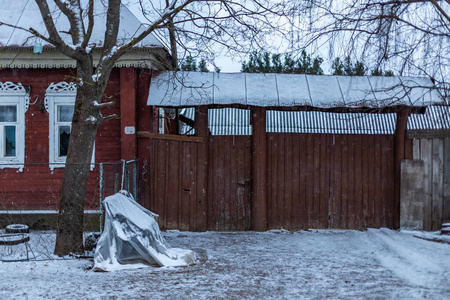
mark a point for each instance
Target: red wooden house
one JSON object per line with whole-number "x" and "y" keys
{"x": 36, "y": 106}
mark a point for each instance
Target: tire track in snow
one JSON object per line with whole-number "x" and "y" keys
{"x": 412, "y": 262}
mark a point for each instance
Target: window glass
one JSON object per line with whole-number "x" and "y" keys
{"x": 65, "y": 113}
{"x": 64, "y": 135}
{"x": 10, "y": 141}
{"x": 8, "y": 113}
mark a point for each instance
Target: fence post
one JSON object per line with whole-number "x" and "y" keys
{"x": 200, "y": 207}
{"x": 399, "y": 154}
{"x": 135, "y": 179}
{"x": 101, "y": 197}
{"x": 126, "y": 176}
{"x": 259, "y": 169}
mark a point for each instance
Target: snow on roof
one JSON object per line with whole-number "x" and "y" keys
{"x": 184, "y": 89}
{"x": 26, "y": 14}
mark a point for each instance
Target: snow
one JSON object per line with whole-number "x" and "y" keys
{"x": 337, "y": 264}
{"x": 274, "y": 90}
{"x": 26, "y": 14}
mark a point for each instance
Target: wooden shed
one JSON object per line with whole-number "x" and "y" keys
{"x": 279, "y": 180}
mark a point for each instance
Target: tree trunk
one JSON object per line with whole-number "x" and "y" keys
{"x": 85, "y": 123}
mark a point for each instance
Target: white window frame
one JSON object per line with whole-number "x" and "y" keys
{"x": 61, "y": 93}
{"x": 14, "y": 94}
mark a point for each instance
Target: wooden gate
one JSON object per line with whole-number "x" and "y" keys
{"x": 330, "y": 181}
{"x": 313, "y": 181}
{"x": 178, "y": 189}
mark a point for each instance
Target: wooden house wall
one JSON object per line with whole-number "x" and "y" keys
{"x": 37, "y": 187}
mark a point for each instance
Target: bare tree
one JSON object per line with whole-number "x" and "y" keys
{"x": 412, "y": 37}
{"x": 195, "y": 25}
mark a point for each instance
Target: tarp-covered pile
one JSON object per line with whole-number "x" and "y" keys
{"x": 132, "y": 238}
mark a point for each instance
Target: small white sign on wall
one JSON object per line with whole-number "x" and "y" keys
{"x": 130, "y": 130}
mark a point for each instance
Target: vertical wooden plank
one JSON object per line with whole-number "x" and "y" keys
{"x": 389, "y": 183}
{"x": 337, "y": 182}
{"x": 351, "y": 183}
{"x": 309, "y": 186}
{"x": 426, "y": 156}
{"x": 408, "y": 149}
{"x": 227, "y": 181}
{"x": 369, "y": 181}
{"x": 248, "y": 187}
{"x": 163, "y": 203}
{"x": 301, "y": 197}
{"x": 272, "y": 150}
{"x": 446, "y": 188}
{"x": 324, "y": 181}
{"x": 378, "y": 191}
{"x": 345, "y": 179}
{"x": 213, "y": 191}
{"x": 193, "y": 187}
{"x": 280, "y": 179}
{"x": 295, "y": 180}
{"x": 288, "y": 181}
{"x": 186, "y": 189}
{"x": 438, "y": 183}
{"x": 399, "y": 150}
{"x": 173, "y": 188}
{"x": 331, "y": 141}
{"x": 416, "y": 149}
{"x": 201, "y": 129}
{"x": 316, "y": 178}
{"x": 359, "y": 181}
{"x": 259, "y": 169}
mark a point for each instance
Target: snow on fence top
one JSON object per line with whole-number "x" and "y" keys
{"x": 26, "y": 14}
{"x": 184, "y": 89}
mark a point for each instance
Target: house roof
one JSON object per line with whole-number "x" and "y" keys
{"x": 184, "y": 89}
{"x": 26, "y": 14}
{"x": 17, "y": 45}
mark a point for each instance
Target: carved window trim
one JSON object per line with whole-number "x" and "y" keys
{"x": 58, "y": 94}
{"x": 14, "y": 94}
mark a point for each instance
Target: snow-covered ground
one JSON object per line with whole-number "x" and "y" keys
{"x": 316, "y": 264}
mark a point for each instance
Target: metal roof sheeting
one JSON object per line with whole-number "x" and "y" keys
{"x": 435, "y": 117}
{"x": 232, "y": 121}
{"x": 184, "y": 89}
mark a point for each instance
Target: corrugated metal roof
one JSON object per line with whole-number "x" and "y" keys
{"x": 435, "y": 117}
{"x": 184, "y": 89}
{"x": 233, "y": 121}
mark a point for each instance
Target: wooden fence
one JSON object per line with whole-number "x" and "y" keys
{"x": 313, "y": 181}
{"x": 434, "y": 151}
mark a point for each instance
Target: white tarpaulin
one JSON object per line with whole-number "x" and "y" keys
{"x": 132, "y": 238}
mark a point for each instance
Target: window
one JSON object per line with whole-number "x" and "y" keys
{"x": 14, "y": 102}
{"x": 59, "y": 103}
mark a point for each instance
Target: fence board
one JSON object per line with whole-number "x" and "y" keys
{"x": 313, "y": 181}
{"x": 437, "y": 176}
{"x": 425, "y": 155}
{"x": 446, "y": 188}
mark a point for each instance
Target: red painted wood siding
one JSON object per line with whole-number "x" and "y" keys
{"x": 37, "y": 187}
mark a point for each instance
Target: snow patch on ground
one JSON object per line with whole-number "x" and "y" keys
{"x": 316, "y": 264}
